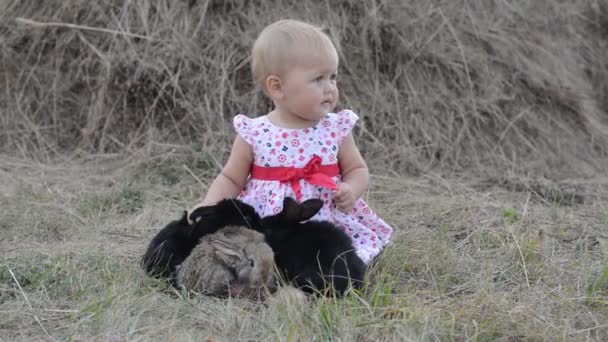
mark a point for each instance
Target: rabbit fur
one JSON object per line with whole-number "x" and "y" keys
{"x": 288, "y": 295}
{"x": 234, "y": 261}
{"x": 312, "y": 255}
{"x": 172, "y": 245}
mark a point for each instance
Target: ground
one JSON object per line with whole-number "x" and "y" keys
{"x": 472, "y": 258}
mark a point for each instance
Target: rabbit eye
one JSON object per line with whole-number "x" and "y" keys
{"x": 251, "y": 263}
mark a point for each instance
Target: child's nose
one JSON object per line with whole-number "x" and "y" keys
{"x": 331, "y": 87}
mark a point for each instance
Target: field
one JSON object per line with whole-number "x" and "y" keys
{"x": 483, "y": 123}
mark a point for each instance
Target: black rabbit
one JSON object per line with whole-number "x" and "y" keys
{"x": 172, "y": 245}
{"x": 313, "y": 255}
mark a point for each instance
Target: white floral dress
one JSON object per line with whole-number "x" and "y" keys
{"x": 283, "y": 147}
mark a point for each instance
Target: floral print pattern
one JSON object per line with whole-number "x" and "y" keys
{"x": 283, "y": 147}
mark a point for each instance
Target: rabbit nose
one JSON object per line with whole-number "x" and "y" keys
{"x": 235, "y": 288}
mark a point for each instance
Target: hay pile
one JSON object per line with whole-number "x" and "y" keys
{"x": 444, "y": 85}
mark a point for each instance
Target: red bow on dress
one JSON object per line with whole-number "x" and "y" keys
{"x": 314, "y": 173}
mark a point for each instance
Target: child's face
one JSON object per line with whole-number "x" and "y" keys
{"x": 309, "y": 87}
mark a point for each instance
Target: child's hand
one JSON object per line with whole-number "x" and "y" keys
{"x": 344, "y": 198}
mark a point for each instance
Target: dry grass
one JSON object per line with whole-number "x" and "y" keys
{"x": 470, "y": 260}
{"x": 441, "y": 85}
{"x": 484, "y": 123}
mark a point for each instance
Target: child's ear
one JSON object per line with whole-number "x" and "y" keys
{"x": 274, "y": 88}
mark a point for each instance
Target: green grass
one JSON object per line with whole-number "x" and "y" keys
{"x": 598, "y": 288}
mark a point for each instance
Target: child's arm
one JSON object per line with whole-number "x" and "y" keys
{"x": 355, "y": 175}
{"x": 232, "y": 178}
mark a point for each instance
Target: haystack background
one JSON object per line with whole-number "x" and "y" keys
{"x": 438, "y": 84}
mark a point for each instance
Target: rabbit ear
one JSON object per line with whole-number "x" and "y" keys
{"x": 225, "y": 247}
{"x": 294, "y": 212}
{"x": 291, "y": 210}
{"x": 231, "y": 234}
{"x": 184, "y": 219}
{"x": 310, "y": 208}
{"x": 226, "y": 253}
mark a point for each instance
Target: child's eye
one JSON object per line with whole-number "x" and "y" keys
{"x": 333, "y": 77}
{"x": 319, "y": 78}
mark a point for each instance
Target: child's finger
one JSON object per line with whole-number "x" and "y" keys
{"x": 344, "y": 207}
{"x": 338, "y": 202}
{"x": 341, "y": 202}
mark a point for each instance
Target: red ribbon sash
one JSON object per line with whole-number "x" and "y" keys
{"x": 314, "y": 173}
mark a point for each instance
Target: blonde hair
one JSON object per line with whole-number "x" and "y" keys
{"x": 280, "y": 42}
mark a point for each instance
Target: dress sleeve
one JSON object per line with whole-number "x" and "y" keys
{"x": 244, "y": 126}
{"x": 346, "y": 121}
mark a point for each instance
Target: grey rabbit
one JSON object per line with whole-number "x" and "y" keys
{"x": 235, "y": 261}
